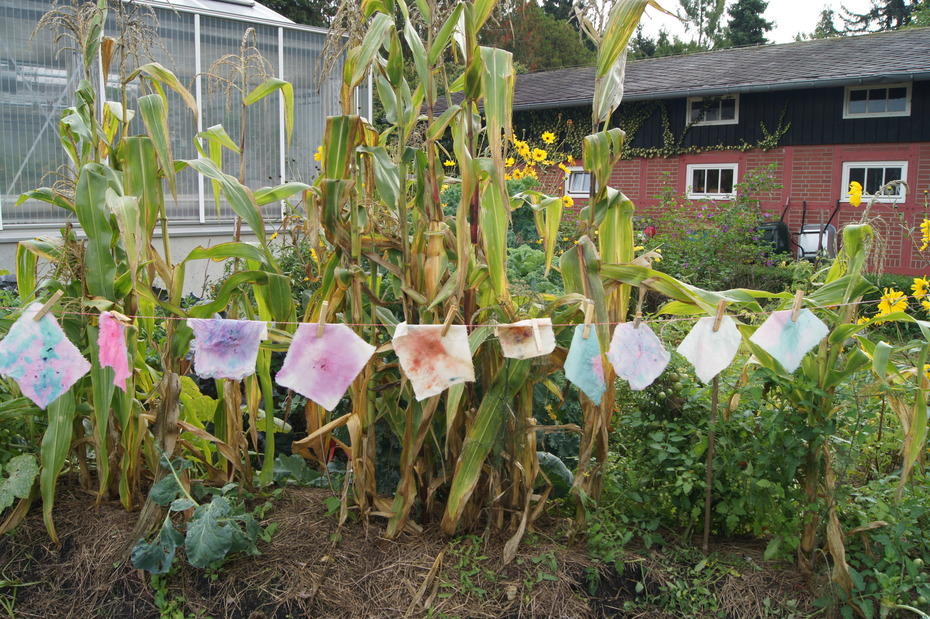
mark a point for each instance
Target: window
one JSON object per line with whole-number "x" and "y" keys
{"x": 713, "y": 110}
{"x": 877, "y": 101}
{"x": 578, "y": 183}
{"x": 873, "y": 176}
{"x": 717, "y": 181}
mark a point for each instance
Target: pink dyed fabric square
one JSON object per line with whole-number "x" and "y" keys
{"x": 321, "y": 368}
{"x": 111, "y": 343}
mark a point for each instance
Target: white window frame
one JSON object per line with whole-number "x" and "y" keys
{"x": 707, "y": 123}
{"x": 572, "y": 169}
{"x": 895, "y": 199}
{"x": 711, "y": 166}
{"x": 847, "y": 115}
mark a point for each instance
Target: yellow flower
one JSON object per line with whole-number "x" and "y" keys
{"x": 448, "y": 163}
{"x": 568, "y": 201}
{"x": 564, "y": 169}
{"x": 539, "y": 154}
{"x": 524, "y": 151}
{"x": 443, "y": 187}
{"x": 548, "y": 137}
{"x": 855, "y": 193}
{"x": 927, "y": 371}
{"x": 639, "y": 248}
{"x": 273, "y": 236}
{"x": 925, "y": 234}
{"x": 517, "y": 174}
{"x": 548, "y": 162}
{"x": 862, "y": 320}
{"x": 318, "y": 155}
{"x": 509, "y": 162}
{"x": 530, "y": 173}
{"x": 892, "y": 301}
{"x": 926, "y": 304}
{"x": 508, "y": 177}
{"x": 920, "y": 287}
{"x": 569, "y": 159}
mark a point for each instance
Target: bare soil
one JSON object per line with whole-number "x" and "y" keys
{"x": 314, "y": 568}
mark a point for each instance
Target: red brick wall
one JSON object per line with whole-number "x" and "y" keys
{"x": 811, "y": 174}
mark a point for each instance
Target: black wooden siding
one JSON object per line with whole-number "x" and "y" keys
{"x": 815, "y": 115}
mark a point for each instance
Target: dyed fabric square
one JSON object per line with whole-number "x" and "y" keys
{"x": 321, "y": 368}
{"x": 40, "y": 358}
{"x": 225, "y": 348}
{"x": 787, "y": 340}
{"x": 711, "y": 352}
{"x": 111, "y": 344}
{"x": 519, "y": 342}
{"x": 637, "y": 355}
{"x": 431, "y": 362}
{"x": 584, "y": 365}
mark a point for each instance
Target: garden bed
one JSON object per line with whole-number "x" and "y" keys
{"x": 313, "y": 568}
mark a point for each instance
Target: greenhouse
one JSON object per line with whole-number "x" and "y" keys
{"x": 192, "y": 38}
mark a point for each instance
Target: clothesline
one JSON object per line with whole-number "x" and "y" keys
{"x": 472, "y": 325}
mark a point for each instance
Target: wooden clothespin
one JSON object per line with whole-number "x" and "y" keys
{"x": 450, "y": 316}
{"x": 588, "y": 317}
{"x": 536, "y": 336}
{"x": 120, "y": 317}
{"x": 721, "y": 307}
{"x": 639, "y": 308}
{"x": 796, "y": 308}
{"x": 48, "y": 305}
{"x": 324, "y": 308}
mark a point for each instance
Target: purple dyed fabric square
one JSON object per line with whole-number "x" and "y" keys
{"x": 225, "y": 348}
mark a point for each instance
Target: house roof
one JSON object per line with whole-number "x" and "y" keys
{"x": 889, "y": 56}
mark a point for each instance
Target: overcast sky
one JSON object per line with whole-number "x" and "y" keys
{"x": 790, "y": 16}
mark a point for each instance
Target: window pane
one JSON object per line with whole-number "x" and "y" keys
{"x": 696, "y": 111}
{"x": 873, "y": 180}
{"x": 713, "y": 111}
{"x": 893, "y": 174}
{"x": 697, "y": 182}
{"x": 897, "y": 99}
{"x": 713, "y": 181}
{"x": 857, "y": 175}
{"x": 878, "y": 99}
{"x": 858, "y": 95}
{"x": 728, "y": 109}
{"x": 579, "y": 182}
{"x": 726, "y": 181}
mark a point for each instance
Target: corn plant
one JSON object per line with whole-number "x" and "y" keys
{"x": 117, "y": 194}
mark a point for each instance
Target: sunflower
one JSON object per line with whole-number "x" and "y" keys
{"x": 547, "y": 137}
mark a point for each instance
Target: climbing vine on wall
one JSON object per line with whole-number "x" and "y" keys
{"x": 572, "y": 124}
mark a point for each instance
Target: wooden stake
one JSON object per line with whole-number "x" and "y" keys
{"x": 721, "y": 308}
{"x": 796, "y": 308}
{"x": 48, "y": 305}
{"x": 709, "y": 464}
{"x": 321, "y": 322}
{"x": 450, "y": 315}
{"x": 588, "y": 317}
{"x": 536, "y": 336}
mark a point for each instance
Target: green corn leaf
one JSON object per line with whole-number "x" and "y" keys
{"x": 101, "y": 380}
{"x": 223, "y": 251}
{"x": 26, "y": 264}
{"x": 56, "y": 443}
{"x": 236, "y": 194}
{"x": 387, "y": 174}
{"x": 94, "y": 217}
{"x": 162, "y": 75}
{"x": 480, "y": 438}
{"x": 379, "y": 31}
{"x": 494, "y": 217}
{"x": 268, "y": 195}
{"x": 444, "y": 35}
{"x": 47, "y": 195}
{"x": 139, "y": 162}
{"x": 155, "y": 117}
{"x": 287, "y": 93}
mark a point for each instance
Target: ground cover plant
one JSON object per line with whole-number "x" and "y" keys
{"x": 430, "y": 218}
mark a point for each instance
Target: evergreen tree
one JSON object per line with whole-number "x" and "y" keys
{"x": 884, "y": 15}
{"x": 537, "y": 40}
{"x": 642, "y": 46}
{"x": 703, "y": 16}
{"x": 559, "y": 9}
{"x": 747, "y": 26}
{"x": 826, "y": 26}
